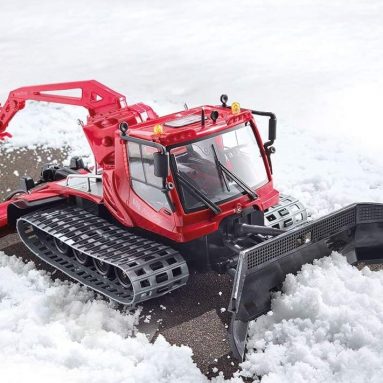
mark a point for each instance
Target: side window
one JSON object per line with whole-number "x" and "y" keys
{"x": 145, "y": 184}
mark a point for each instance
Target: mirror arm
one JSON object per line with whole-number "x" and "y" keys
{"x": 268, "y": 146}
{"x": 166, "y": 191}
{"x": 266, "y": 114}
{"x": 269, "y": 149}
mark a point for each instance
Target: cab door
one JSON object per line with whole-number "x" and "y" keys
{"x": 148, "y": 203}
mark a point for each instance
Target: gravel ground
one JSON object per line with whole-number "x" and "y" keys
{"x": 25, "y": 162}
{"x": 194, "y": 315}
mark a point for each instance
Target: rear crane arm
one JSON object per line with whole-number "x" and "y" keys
{"x": 94, "y": 96}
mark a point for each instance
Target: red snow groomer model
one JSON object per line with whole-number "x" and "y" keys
{"x": 190, "y": 188}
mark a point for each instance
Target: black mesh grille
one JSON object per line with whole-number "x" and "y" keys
{"x": 333, "y": 224}
{"x": 368, "y": 213}
{"x": 315, "y": 231}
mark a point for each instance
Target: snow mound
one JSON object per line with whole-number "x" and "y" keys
{"x": 54, "y": 331}
{"x": 48, "y": 125}
{"x": 326, "y": 326}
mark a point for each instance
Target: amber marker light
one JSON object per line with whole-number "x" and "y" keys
{"x": 158, "y": 129}
{"x": 235, "y": 108}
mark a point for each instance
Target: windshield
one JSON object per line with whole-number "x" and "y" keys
{"x": 198, "y": 164}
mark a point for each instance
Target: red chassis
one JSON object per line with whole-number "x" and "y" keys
{"x": 107, "y": 109}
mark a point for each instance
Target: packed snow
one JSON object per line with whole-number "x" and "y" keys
{"x": 317, "y": 64}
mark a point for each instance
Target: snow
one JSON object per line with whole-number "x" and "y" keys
{"x": 57, "y": 331}
{"x": 327, "y": 326}
{"x": 317, "y": 64}
{"x": 49, "y": 125}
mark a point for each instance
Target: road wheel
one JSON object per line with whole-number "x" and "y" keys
{"x": 81, "y": 258}
{"x": 123, "y": 278}
{"x": 61, "y": 247}
{"x": 103, "y": 268}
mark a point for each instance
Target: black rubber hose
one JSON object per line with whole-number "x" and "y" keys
{"x": 13, "y": 193}
{"x": 244, "y": 228}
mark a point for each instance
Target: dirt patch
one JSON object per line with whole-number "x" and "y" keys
{"x": 20, "y": 162}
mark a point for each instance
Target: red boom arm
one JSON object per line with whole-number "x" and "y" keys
{"x": 95, "y": 97}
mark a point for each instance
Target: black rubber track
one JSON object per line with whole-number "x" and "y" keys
{"x": 153, "y": 268}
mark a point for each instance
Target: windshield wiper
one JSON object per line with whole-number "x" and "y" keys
{"x": 197, "y": 193}
{"x": 221, "y": 167}
{"x": 220, "y": 171}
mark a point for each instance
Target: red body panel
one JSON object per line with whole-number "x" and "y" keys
{"x": 3, "y": 214}
{"x": 107, "y": 109}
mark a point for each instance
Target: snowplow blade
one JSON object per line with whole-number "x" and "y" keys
{"x": 355, "y": 231}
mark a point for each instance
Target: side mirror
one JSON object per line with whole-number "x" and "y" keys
{"x": 161, "y": 164}
{"x": 272, "y": 129}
